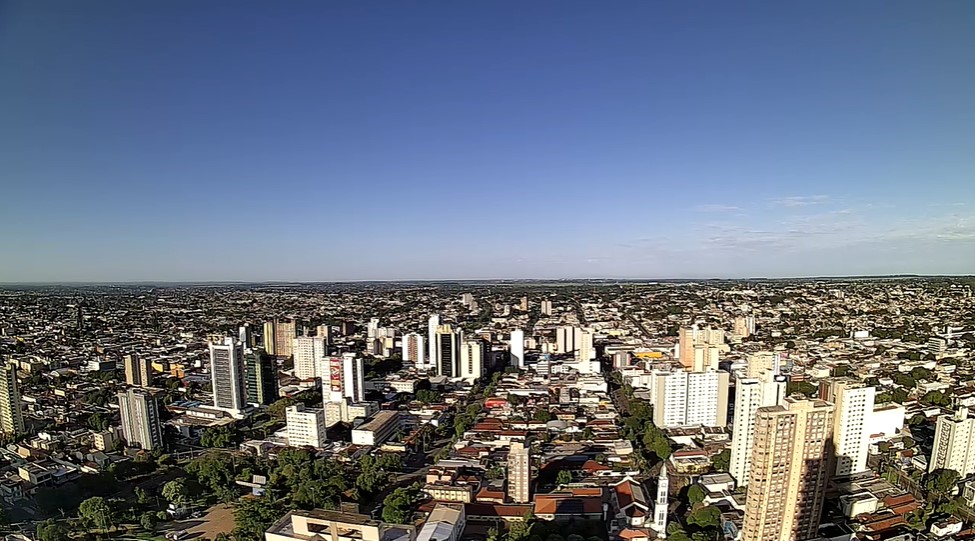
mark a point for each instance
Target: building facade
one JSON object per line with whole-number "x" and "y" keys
{"x": 519, "y": 473}
{"x": 11, "y": 414}
{"x": 227, "y": 376}
{"x": 750, "y": 394}
{"x": 684, "y": 398}
{"x": 953, "y": 447}
{"x": 306, "y": 426}
{"x": 141, "y": 425}
{"x": 262, "y": 377}
{"x": 138, "y": 371}
{"x": 516, "y": 346}
{"x": 308, "y": 352}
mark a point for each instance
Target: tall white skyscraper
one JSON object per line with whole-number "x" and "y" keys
{"x": 517, "y": 348}
{"x": 448, "y": 351}
{"x": 306, "y": 426}
{"x": 414, "y": 350}
{"x": 750, "y": 394}
{"x": 308, "y": 352}
{"x": 227, "y": 376}
{"x": 954, "y": 448}
{"x": 433, "y": 359}
{"x": 11, "y": 415}
{"x": 691, "y": 399}
{"x": 343, "y": 379}
{"x": 141, "y": 426}
{"x": 473, "y": 353}
{"x": 853, "y": 407}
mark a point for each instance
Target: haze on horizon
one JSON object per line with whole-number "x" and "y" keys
{"x": 311, "y": 141}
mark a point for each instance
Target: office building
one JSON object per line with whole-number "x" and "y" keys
{"x": 324, "y": 332}
{"x": 268, "y": 338}
{"x": 141, "y": 425}
{"x": 378, "y": 430}
{"x": 262, "y": 377}
{"x": 343, "y": 378}
{"x": 414, "y": 350}
{"x": 11, "y": 414}
{"x": 473, "y": 354}
{"x": 684, "y": 398}
{"x": 516, "y": 346}
{"x": 545, "y": 307}
{"x": 308, "y": 351}
{"x": 372, "y": 329}
{"x": 448, "y": 351}
{"x": 306, "y": 426}
{"x": 954, "y": 448}
{"x": 750, "y": 394}
{"x": 227, "y": 376}
{"x": 789, "y": 471}
{"x": 853, "y": 403}
{"x": 138, "y": 371}
{"x": 519, "y": 473}
{"x": 433, "y": 361}
{"x": 762, "y": 362}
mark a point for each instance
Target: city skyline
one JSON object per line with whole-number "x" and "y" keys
{"x": 245, "y": 142}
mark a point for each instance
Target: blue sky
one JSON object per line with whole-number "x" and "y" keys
{"x": 187, "y": 140}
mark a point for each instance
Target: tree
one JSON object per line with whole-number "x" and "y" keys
{"x": 563, "y": 478}
{"x": 899, "y": 395}
{"x": 97, "y": 512}
{"x": 398, "y": 506}
{"x": 919, "y": 373}
{"x": 936, "y": 398}
{"x": 904, "y": 380}
{"x": 49, "y": 530}
{"x": 706, "y": 517}
{"x": 176, "y": 491}
{"x": 542, "y": 415}
{"x": 941, "y": 483}
{"x": 253, "y": 516}
{"x": 917, "y": 419}
{"x": 97, "y": 422}
{"x": 141, "y": 496}
{"x": 148, "y": 521}
{"x": 427, "y": 396}
{"x": 801, "y": 387}
{"x": 695, "y": 494}
{"x": 722, "y": 460}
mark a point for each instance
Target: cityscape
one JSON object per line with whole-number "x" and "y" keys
{"x": 495, "y": 411}
{"x": 546, "y": 270}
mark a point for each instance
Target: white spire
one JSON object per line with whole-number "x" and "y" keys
{"x": 660, "y": 508}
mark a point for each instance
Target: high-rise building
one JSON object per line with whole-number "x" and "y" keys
{"x": 762, "y": 362}
{"x": 11, "y": 414}
{"x": 308, "y": 351}
{"x": 433, "y": 359}
{"x": 789, "y": 471}
{"x": 268, "y": 338}
{"x": 372, "y": 329}
{"x": 466, "y": 299}
{"x": 750, "y": 394}
{"x": 325, "y": 332}
{"x": 524, "y": 304}
{"x": 661, "y": 504}
{"x": 262, "y": 377}
{"x": 473, "y": 354}
{"x": 141, "y": 425}
{"x": 565, "y": 339}
{"x": 306, "y": 426}
{"x": 695, "y": 345}
{"x": 851, "y": 438}
{"x": 138, "y": 371}
{"x": 448, "y": 351}
{"x": 690, "y": 399}
{"x": 954, "y": 448}
{"x": 344, "y": 378}
{"x": 744, "y": 326}
{"x": 227, "y": 376}
{"x": 517, "y": 348}
{"x": 519, "y": 473}
{"x": 413, "y": 350}
{"x": 284, "y": 332}
{"x": 545, "y": 307}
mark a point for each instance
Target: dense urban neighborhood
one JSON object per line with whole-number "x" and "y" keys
{"x": 771, "y": 410}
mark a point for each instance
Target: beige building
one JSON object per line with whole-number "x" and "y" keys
{"x": 376, "y": 431}
{"x": 519, "y": 473}
{"x": 320, "y": 525}
{"x": 284, "y": 332}
{"x": 306, "y": 426}
{"x": 682, "y": 398}
{"x": 790, "y": 465}
{"x": 138, "y": 371}
{"x": 954, "y": 448}
{"x": 473, "y": 353}
{"x": 11, "y": 416}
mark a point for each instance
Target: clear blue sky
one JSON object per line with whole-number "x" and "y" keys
{"x": 187, "y": 140}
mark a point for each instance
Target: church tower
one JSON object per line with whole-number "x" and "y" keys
{"x": 660, "y": 506}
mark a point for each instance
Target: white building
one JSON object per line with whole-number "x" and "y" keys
{"x": 545, "y": 307}
{"x": 414, "y": 350}
{"x": 306, "y": 427}
{"x": 953, "y": 446}
{"x": 854, "y": 404}
{"x": 308, "y": 352}
{"x": 343, "y": 378}
{"x": 473, "y": 353}
{"x": 227, "y": 377}
{"x": 141, "y": 425}
{"x": 751, "y": 394}
{"x": 433, "y": 361}
{"x": 691, "y": 399}
{"x": 447, "y": 345}
{"x": 376, "y": 431}
{"x": 887, "y": 420}
{"x": 517, "y": 347}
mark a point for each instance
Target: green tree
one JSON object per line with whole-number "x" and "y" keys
{"x": 399, "y": 505}
{"x": 50, "y": 530}
{"x": 919, "y": 373}
{"x": 214, "y": 470}
{"x": 899, "y": 395}
{"x": 695, "y": 494}
{"x": 941, "y": 483}
{"x": 141, "y": 496}
{"x": 97, "y": 422}
{"x": 542, "y": 415}
{"x": 563, "y": 478}
{"x": 148, "y": 521}
{"x": 802, "y": 387}
{"x": 936, "y": 398}
{"x": 904, "y": 380}
{"x": 253, "y": 516}
{"x": 705, "y": 517}
{"x": 96, "y": 511}
{"x": 176, "y": 491}
{"x": 722, "y": 460}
